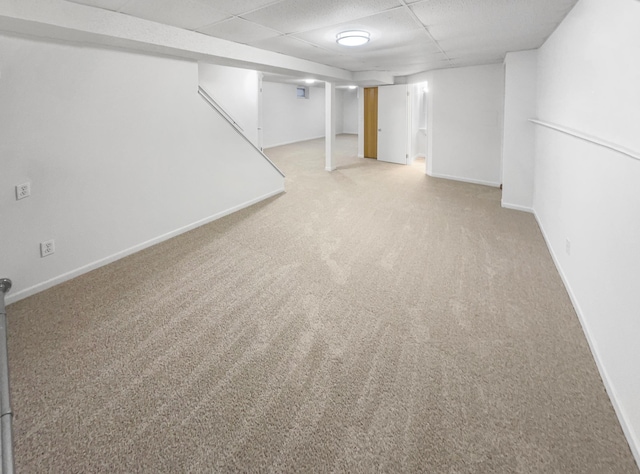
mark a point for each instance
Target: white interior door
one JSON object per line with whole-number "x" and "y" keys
{"x": 392, "y": 124}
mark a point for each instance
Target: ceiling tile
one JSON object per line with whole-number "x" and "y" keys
{"x": 469, "y": 31}
{"x": 188, "y": 14}
{"x": 477, "y": 59}
{"x": 294, "y": 47}
{"x": 346, "y": 62}
{"x": 239, "y": 30}
{"x": 387, "y": 29}
{"x": 481, "y": 43}
{"x": 236, "y": 7}
{"x": 475, "y": 31}
{"x": 113, "y": 5}
{"x": 400, "y": 63}
{"x": 400, "y": 53}
{"x": 448, "y": 18}
{"x": 292, "y": 16}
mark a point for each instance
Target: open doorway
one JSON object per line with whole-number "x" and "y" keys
{"x": 420, "y": 119}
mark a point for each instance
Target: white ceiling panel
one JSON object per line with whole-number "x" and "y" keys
{"x": 407, "y": 36}
{"x": 239, "y": 30}
{"x": 293, "y": 16}
{"x": 449, "y": 18}
{"x": 297, "y": 48}
{"x": 187, "y": 14}
{"x": 345, "y": 62}
{"x": 400, "y": 53}
{"x": 397, "y": 60}
{"x": 476, "y": 60}
{"x": 236, "y": 7}
{"x": 481, "y": 44}
{"x": 388, "y": 29}
{"x": 113, "y": 5}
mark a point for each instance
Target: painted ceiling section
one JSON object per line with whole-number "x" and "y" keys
{"x": 407, "y": 36}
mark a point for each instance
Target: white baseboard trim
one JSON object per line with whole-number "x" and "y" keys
{"x": 293, "y": 141}
{"x": 516, "y": 207}
{"x": 632, "y": 440}
{"x": 465, "y": 180}
{"x": 13, "y": 297}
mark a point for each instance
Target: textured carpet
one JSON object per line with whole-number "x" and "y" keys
{"x": 372, "y": 319}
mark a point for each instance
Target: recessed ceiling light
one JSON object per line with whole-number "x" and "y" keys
{"x": 352, "y": 87}
{"x": 309, "y": 81}
{"x": 352, "y": 38}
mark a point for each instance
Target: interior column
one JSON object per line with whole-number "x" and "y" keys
{"x": 330, "y": 125}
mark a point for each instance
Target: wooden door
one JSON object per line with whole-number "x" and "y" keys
{"x": 371, "y": 122}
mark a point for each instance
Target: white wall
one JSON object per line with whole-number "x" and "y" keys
{"x": 288, "y": 119}
{"x": 236, "y": 90}
{"x": 349, "y": 111}
{"x": 465, "y": 133}
{"x": 120, "y": 151}
{"x": 518, "y": 147}
{"x": 589, "y": 80}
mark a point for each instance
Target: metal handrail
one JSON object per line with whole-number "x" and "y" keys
{"x": 215, "y": 106}
{"x": 224, "y": 112}
{"x": 6, "y": 414}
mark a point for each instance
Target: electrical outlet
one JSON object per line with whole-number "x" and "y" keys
{"x": 567, "y": 247}
{"x": 23, "y": 190}
{"x": 47, "y": 248}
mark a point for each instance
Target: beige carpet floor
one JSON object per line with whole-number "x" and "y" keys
{"x": 372, "y": 319}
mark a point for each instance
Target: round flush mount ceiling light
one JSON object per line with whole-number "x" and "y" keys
{"x": 353, "y": 38}
{"x": 309, "y": 81}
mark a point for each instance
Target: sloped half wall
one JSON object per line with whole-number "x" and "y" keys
{"x": 121, "y": 152}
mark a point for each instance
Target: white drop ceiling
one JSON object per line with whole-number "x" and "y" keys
{"x": 407, "y": 36}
